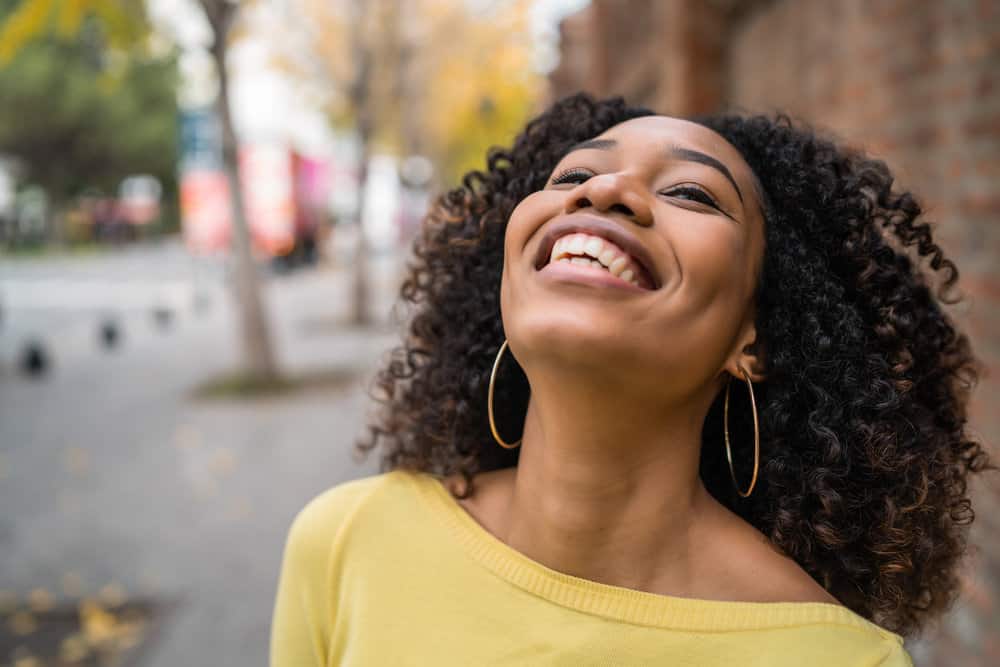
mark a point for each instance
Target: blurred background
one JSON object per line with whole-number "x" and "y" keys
{"x": 205, "y": 207}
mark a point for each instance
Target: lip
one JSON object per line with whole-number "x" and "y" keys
{"x": 589, "y": 275}
{"x": 597, "y": 226}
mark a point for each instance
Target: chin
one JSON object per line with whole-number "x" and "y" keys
{"x": 570, "y": 336}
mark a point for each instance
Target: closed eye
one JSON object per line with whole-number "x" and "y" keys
{"x": 578, "y": 175}
{"x": 694, "y": 194}
{"x": 571, "y": 175}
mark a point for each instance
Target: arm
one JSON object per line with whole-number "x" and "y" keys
{"x": 305, "y": 608}
{"x": 299, "y": 625}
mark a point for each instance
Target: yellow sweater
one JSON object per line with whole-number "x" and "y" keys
{"x": 390, "y": 570}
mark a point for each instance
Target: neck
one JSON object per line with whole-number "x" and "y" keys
{"x": 607, "y": 485}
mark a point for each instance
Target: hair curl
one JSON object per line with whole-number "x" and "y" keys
{"x": 864, "y": 449}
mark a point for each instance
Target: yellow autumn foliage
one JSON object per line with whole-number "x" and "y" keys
{"x": 480, "y": 89}
{"x": 122, "y": 20}
{"x": 447, "y": 79}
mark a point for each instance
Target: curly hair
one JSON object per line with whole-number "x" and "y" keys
{"x": 864, "y": 450}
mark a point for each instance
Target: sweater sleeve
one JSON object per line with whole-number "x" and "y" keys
{"x": 305, "y": 605}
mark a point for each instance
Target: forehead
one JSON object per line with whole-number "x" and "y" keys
{"x": 657, "y": 133}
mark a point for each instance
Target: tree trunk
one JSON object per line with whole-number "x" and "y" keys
{"x": 360, "y": 288}
{"x": 361, "y": 100}
{"x": 259, "y": 354}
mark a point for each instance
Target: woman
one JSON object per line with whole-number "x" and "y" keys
{"x": 673, "y": 393}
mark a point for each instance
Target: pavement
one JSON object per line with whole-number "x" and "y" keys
{"x": 112, "y": 473}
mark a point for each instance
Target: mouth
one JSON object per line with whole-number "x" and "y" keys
{"x": 592, "y": 241}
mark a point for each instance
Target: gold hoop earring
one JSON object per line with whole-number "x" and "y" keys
{"x": 756, "y": 436}
{"x": 489, "y": 401}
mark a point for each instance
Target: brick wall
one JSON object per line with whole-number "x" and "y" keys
{"x": 666, "y": 54}
{"x": 916, "y": 83}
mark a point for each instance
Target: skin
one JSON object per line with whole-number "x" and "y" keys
{"x": 607, "y": 486}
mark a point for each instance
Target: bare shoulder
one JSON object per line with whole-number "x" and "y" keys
{"x": 790, "y": 583}
{"x": 751, "y": 568}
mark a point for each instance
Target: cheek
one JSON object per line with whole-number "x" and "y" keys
{"x": 527, "y": 217}
{"x": 708, "y": 303}
{"x": 523, "y": 227}
{"x": 522, "y": 224}
{"x": 708, "y": 308}
{"x": 715, "y": 262}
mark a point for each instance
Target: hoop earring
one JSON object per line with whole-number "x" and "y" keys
{"x": 756, "y": 436}
{"x": 489, "y": 401}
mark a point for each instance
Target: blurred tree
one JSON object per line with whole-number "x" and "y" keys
{"x": 439, "y": 78}
{"x": 346, "y": 49}
{"x": 100, "y": 104}
{"x": 76, "y": 115}
{"x": 472, "y": 84}
{"x": 262, "y": 370}
{"x": 24, "y": 21}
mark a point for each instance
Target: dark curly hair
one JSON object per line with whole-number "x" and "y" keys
{"x": 864, "y": 450}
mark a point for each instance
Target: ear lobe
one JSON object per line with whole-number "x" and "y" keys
{"x": 748, "y": 360}
{"x": 749, "y": 367}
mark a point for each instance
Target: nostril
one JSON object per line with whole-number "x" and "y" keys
{"x": 582, "y": 202}
{"x": 622, "y": 208}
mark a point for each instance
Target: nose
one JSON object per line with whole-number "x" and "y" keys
{"x": 616, "y": 193}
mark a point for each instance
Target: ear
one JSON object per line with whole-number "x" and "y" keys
{"x": 748, "y": 355}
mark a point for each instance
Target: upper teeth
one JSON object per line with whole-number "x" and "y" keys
{"x": 605, "y": 254}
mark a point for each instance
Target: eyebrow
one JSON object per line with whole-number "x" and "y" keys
{"x": 675, "y": 152}
{"x": 597, "y": 144}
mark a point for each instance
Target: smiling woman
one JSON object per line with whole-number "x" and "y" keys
{"x": 572, "y": 476}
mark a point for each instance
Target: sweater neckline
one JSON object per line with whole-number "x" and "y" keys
{"x": 616, "y": 602}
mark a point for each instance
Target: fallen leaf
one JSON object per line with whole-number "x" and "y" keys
{"x": 187, "y": 437}
{"x": 74, "y": 648}
{"x": 98, "y": 625}
{"x": 223, "y": 461}
{"x": 8, "y": 602}
{"x": 22, "y": 623}
{"x": 40, "y": 600}
{"x": 27, "y": 661}
{"x": 113, "y": 595}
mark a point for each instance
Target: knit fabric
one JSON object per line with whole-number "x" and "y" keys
{"x": 391, "y": 570}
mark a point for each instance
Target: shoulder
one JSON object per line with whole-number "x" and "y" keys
{"x": 895, "y": 654}
{"x": 820, "y": 635}
{"x": 851, "y": 639}
{"x": 785, "y": 579}
{"x": 320, "y": 525}
{"x": 748, "y": 567}
{"x": 743, "y": 564}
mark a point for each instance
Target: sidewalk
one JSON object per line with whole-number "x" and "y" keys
{"x": 111, "y": 473}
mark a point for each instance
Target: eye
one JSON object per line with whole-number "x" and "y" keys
{"x": 571, "y": 175}
{"x": 692, "y": 193}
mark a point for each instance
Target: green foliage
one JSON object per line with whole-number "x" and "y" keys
{"x": 23, "y": 22}
{"x": 79, "y": 116}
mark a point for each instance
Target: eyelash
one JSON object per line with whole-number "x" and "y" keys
{"x": 571, "y": 175}
{"x": 568, "y": 175}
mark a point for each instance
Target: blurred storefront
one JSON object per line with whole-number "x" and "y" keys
{"x": 286, "y": 194}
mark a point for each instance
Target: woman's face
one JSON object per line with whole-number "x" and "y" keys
{"x": 636, "y": 262}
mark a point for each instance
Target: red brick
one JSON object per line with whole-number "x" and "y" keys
{"x": 984, "y": 127}
{"x": 980, "y": 205}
